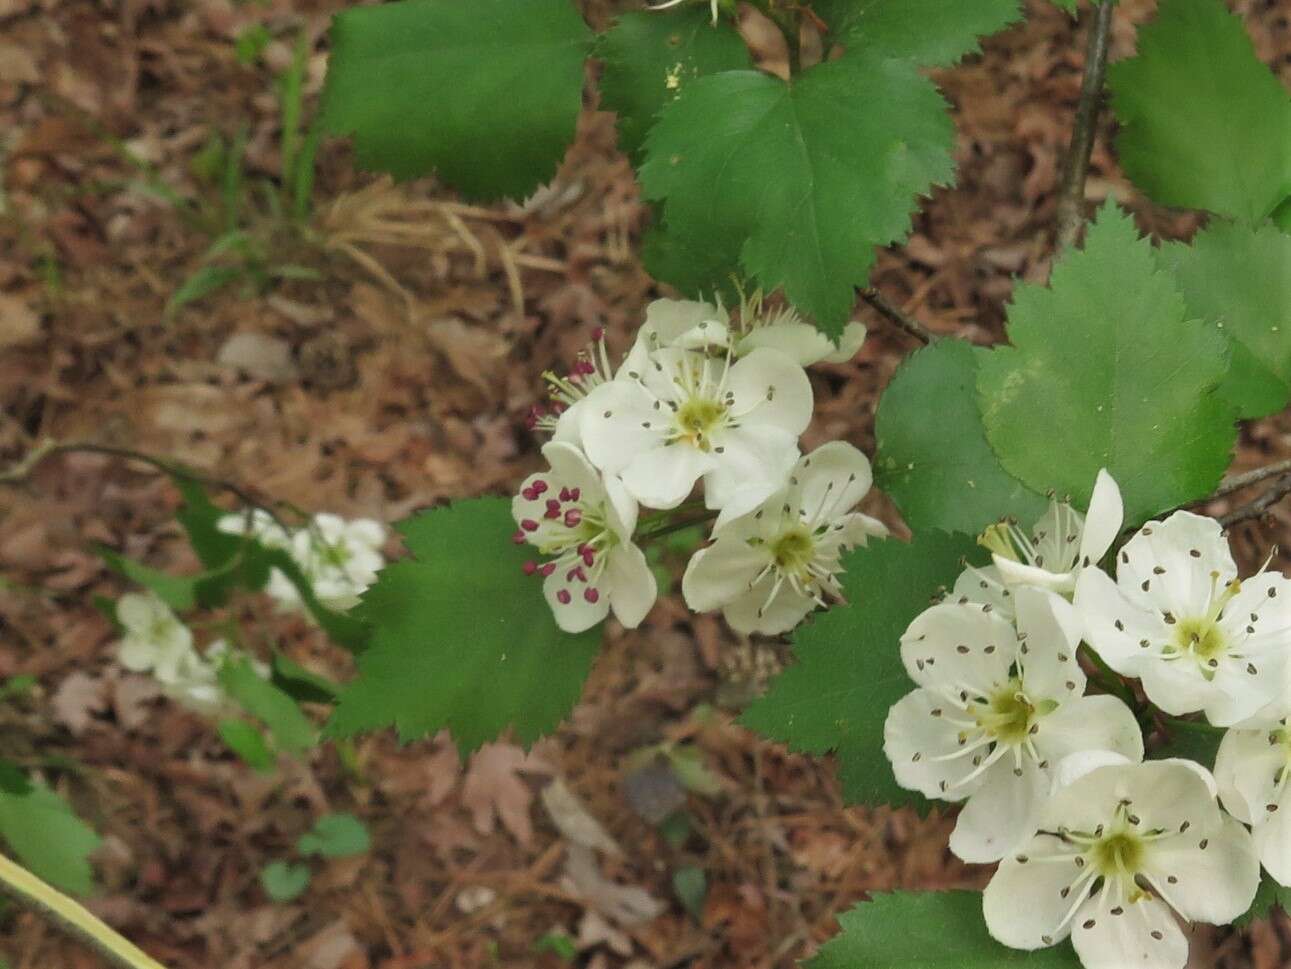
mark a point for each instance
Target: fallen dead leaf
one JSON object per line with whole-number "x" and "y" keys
{"x": 77, "y": 699}
{"x": 493, "y": 792}
{"x": 627, "y": 905}
{"x": 573, "y": 820}
{"x": 19, "y": 324}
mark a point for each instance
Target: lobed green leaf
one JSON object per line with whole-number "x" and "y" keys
{"x": 45, "y": 833}
{"x": 1108, "y": 370}
{"x": 487, "y": 93}
{"x": 932, "y": 33}
{"x": 1204, "y": 124}
{"x": 849, "y": 673}
{"x": 462, "y": 638}
{"x": 927, "y": 930}
{"x": 932, "y": 457}
{"x": 802, "y": 182}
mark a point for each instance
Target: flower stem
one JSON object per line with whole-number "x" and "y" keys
{"x": 668, "y": 526}
{"x": 1071, "y": 197}
{"x": 29, "y": 891}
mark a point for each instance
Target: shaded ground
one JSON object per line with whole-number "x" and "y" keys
{"x": 387, "y": 394}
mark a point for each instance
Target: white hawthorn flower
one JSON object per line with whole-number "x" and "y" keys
{"x": 583, "y": 524}
{"x": 340, "y": 559}
{"x": 684, "y": 415}
{"x": 693, "y": 325}
{"x": 1178, "y": 618}
{"x": 258, "y": 524}
{"x": 1252, "y": 768}
{"x": 1121, "y": 845}
{"x": 1063, "y": 542}
{"x": 997, "y": 708}
{"x": 767, "y": 570}
{"x": 155, "y": 639}
{"x": 195, "y": 684}
{"x": 561, "y": 418}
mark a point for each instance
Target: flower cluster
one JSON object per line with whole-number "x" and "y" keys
{"x": 339, "y": 558}
{"x": 1093, "y": 842}
{"x": 701, "y": 399}
{"x": 156, "y": 641}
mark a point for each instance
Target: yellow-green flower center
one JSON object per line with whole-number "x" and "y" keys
{"x": 1008, "y": 714}
{"x": 793, "y": 550}
{"x": 1118, "y": 854}
{"x": 697, "y": 418}
{"x": 1202, "y": 637}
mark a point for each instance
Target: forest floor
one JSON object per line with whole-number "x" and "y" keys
{"x": 398, "y": 380}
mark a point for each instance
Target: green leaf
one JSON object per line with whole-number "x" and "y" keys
{"x": 803, "y": 181}
{"x": 463, "y": 638}
{"x": 486, "y": 92}
{"x": 283, "y": 881}
{"x": 1205, "y": 124}
{"x": 650, "y": 59}
{"x": 932, "y": 33}
{"x": 248, "y": 743}
{"x": 927, "y": 930}
{"x": 1193, "y": 740}
{"x": 690, "y": 885}
{"x": 557, "y": 943}
{"x": 301, "y": 684}
{"x": 848, "y": 672}
{"x": 176, "y": 591}
{"x": 16, "y": 686}
{"x": 1267, "y": 896}
{"x": 46, "y": 835}
{"x": 291, "y": 729}
{"x": 1107, "y": 370}
{"x": 237, "y": 560}
{"x": 932, "y": 456}
{"x": 1239, "y": 278}
{"x": 336, "y": 836}
{"x": 202, "y": 283}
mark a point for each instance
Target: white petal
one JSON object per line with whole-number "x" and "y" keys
{"x": 578, "y": 614}
{"x": 1273, "y": 840}
{"x": 772, "y": 391}
{"x": 915, "y": 734}
{"x": 1002, "y": 814}
{"x": 1051, "y": 633}
{"x": 1215, "y": 884}
{"x": 718, "y": 575}
{"x": 1104, "y": 520}
{"x": 852, "y": 531}
{"x": 1116, "y": 627}
{"x": 758, "y": 611}
{"x": 569, "y": 426}
{"x": 831, "y": 480}
{"x": 1184, "y": 587}
{"x": 631, "y": 585}
{"x": 1163, "y": 793}
{"x": 1176, "y": 687}
{"x": 1236, "y": 694}
{"x": 1056, "y": 537}
{"x": 803, "y": 343}
{"x": 986, "y": 586}
{"x": 669, "y": 320}
{"x": 1089, "y": 723}
{"x": 1075, "y": 766}
{"x": 1144, "y": 936}
{"x": 1024, "y": 903}
{"x": 959, "y": 644}
{"x": 366, "y": 532}
{"x": 623, "y": 507}
{"x": 849, "y": 344}
{"x": 138, "y": 611}
{"x": 612, "y": 442}
{"x": 1017, "y": 574}
{"x": 1246, "y": 768}
{"x": 755, "y": 463}
{"x": 665, "y": 476}
{"x": 569, "y": 466}
{"x": 137, "y": 654}
{"x": 1263, "y": 604}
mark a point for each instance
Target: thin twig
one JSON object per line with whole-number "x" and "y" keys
{"x": 1237, "y": 482}
{"x": 23, "y": 469}
{"x": 1071, "y": 197}
{"x": 1258, "y": 506}
{"x": 897, "y": 316}
{"x": 30, "y": 892}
